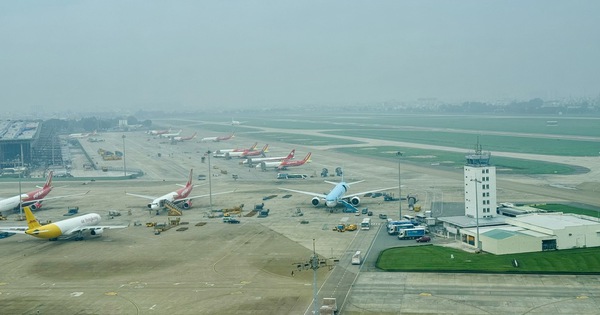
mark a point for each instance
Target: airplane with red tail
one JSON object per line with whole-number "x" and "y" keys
{"x": 179, "y": 138}
{"x": 179, "y": 197}
{"x": 34, "y": 198}
{"x": 281, "y": 165}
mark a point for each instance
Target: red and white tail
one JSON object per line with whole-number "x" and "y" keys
{"x": 265, "y": 148}
{"x": 291, "y": 155}
{"x": 253, "y": 146}
{"x": 189, "y": 182}
{"x": 49, "y": 180}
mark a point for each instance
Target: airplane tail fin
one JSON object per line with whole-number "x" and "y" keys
{"x": 32, "y": 222}
{"x": 194, "y": 135}
{"x": 253, "y": 146}
{"x": 49, "y": 180}
{"x": 291, "y": 155}
{"x": 189, "y": 182}
{"x": 265, "y": 148}
{"x": 307, "y": 158}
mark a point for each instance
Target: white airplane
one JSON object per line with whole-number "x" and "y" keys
{"x": 254, "y": 161}
{"x": 236, "y": 123}
{"x": 72, "y": 227}
{"x": 178, "y": 197}
{"x": 337, "y": 195}
{"x": 217, "y": 139}
{"x": 33, "y": 198}
{"x": 180, "y": 138}
{"x": 81, "y": 135}
{"x": 170, "y": 135}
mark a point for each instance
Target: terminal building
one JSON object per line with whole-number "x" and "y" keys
{"x": 25, "y": 145}
{"x": 507, "y": 229}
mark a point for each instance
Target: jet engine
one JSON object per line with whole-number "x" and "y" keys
{"x": 315, "y": 201}
{"x": 35, "y": 206}
{"x": 97, "y": 232}
{"x": 355, "y": 201}
{"x": 186, "y": 204}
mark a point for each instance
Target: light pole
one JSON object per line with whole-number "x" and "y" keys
{"x": 477, "y": 182}
{"x": 209, "y": 180}
{"x": 399, "y": 154}
{"x": 124, "y": 165}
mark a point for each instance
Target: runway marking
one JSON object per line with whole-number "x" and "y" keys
{"x": 76, "y": 294}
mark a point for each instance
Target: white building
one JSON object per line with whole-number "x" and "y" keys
{"x": 480, "y": 186}
{"x": 537, "y": 232}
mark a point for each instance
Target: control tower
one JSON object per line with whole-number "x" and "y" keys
{"x": 480, "y": 185}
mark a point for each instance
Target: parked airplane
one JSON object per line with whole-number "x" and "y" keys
{"x": 72, "y": 227}
{"x": 223, "y": 152}
{"x": 33, "y": 198}
{"x": 256, "y": 161}
{"x": 281, "y": 165}
{"x": 180, "y": 138}
{"x": 247, "y": 153}
{"x": 170, "y": 135}
{"x": 81, "y": 135}
{"x": 337, "y": 195}
{"x": 178, "y": 197}
{"x": 217, "y": 139}
{"x": 158, "y": 132}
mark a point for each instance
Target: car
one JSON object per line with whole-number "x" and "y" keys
{"x": 233, "y": 221}
{"x": 383, "y": 216}
{"x": 423, "y": 239}
{"x": 365, "y": 210}
{"x": 370, "y": 213}
{"x": 357, "y": 213}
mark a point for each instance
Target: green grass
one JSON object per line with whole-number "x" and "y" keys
{"x": 294, "y": 138}
{"x": 457, "y": 160}
{"x": 566, "y": 209}
{"x": 436, "y": 258}
{"x": 492, "y": 143}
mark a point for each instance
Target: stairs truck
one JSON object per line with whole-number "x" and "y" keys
{"x": 406, "y": 234}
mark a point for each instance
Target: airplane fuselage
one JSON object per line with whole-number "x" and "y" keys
{"x": 63, "y": 228}
{"x": 336, "y": 194}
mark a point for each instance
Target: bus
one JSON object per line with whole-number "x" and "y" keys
{"x": 365, "y": 224}
{"x": 409, "y": 217}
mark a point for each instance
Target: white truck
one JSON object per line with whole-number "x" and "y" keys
{"x": 356, "y": 259}
{"x": 329, "y": 306}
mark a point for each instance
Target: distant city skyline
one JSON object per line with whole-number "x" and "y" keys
{"x": 88, "y": 56}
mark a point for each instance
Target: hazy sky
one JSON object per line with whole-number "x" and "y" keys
{"x": 92, "y": 55}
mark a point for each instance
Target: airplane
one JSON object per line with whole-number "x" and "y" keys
{"x": 247, "y": 153}
{"x": 222, "y": 152}
{"x": 170, "y": 135}
{"x": 34, "y": 198}
{"x": 337, "y": 195}
{"x": 180, "y": 138}
{"x": 236, "y": 123}
{"x": 256, "y": 161}
{"x": 178, "y": 197}
{"x": 81, "y": 135}
{"x": 158, "y": 132}
{"x": 281, "y": 165}
{"x": 72, "y": 227}
{"x": 217, "y": 139}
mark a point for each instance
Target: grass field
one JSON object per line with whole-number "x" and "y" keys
{"x": 457, "y": 160}
{"x": 442, "y": 259}
{"x": 567, "y": 209}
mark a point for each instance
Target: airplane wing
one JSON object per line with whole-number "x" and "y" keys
{"x": 366, "y": 192}
{"x": 13, "y": 229}
{"x": 142, "y": 196}
{"x": 203, "y": 196}
{"x": 58, "y": 197}
{"x": 306, "y": 192}
{"x": 94, "y": 227}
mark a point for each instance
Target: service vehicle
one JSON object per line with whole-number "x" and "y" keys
{"x": 413, "y": 233}
{"x": 423, "y": 239}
